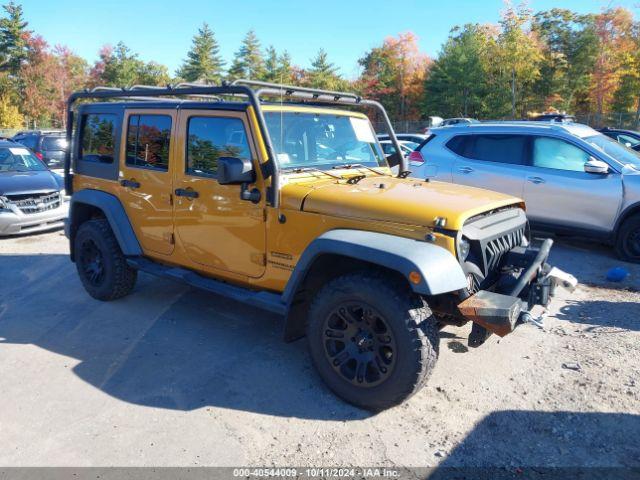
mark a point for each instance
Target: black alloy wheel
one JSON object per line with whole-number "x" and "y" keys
{"x": 91, "y": 262}
{"x": 359, "y": 344}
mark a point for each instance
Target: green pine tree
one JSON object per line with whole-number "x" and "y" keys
{"x": 271, "y": 65}
{"x": 324, "y": 74}
{"x": 203, "y": 62}
{"x": 13, "y": 44}
{"x": 248, "y": 61}
{"x": 285, "y": 68}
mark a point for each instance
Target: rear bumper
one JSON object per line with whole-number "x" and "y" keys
{"x": 527, "y": 280}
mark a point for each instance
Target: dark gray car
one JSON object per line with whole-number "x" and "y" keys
{"x": 48, "y": 146}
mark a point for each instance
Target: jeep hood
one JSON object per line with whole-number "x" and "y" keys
{"x": 392, "y": 199}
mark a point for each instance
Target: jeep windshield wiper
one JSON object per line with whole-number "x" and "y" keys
{"x": 311, "y": 169}
{"x": 355, "y": 165}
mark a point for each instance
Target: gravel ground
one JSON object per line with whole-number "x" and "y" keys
{"x": 171, "y": 376}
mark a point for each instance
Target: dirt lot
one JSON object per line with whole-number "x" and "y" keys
{"x": 174, "y": 376}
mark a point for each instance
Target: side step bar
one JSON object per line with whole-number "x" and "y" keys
{"x": 264, "y": 300}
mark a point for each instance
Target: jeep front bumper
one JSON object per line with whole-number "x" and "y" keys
{"x": 498, "y": 311}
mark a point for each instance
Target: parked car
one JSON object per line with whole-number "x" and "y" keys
{"x": 573, "y": 179}
{"x": 389, "y": 149}
{"x": 554, "y": 117}
{"x": 457, "y": 121}
{"x": 405, "y": 137}
{"x": 48, "y": 146}
{"x": 31, "y": 196}
{"x": 294, "y": 209}
{"x": 629, "y": 138}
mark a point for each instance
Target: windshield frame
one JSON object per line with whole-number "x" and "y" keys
{"x": 378, "y": 159}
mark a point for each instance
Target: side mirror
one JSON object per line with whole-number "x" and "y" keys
{"x": 596, "y": 166}
{"x": 394, "y": 159}
{"x": 628, "y": 144}
{"x": 232, "y": 170}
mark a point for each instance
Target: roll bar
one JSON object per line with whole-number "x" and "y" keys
{"x": 252, "y": 90}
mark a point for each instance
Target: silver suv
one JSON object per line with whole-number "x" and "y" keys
{"x": 574, "y": 180}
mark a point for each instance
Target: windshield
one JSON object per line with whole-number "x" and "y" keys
{"x": 19, "y": 159}
{"x": 322, "y": 140}
{"x": 614, "y": 149}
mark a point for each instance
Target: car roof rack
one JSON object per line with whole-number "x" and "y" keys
{"x": 253, "y": 90}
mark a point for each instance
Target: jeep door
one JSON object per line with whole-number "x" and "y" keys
{"x": 215, "y": 227}
{"x": 492, "y": 161}
{"x": 560, "y": 194}
{"x": 146, "y": 176}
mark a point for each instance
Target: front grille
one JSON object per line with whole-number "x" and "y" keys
{"x": 491, "y": 237}
{"x": 495, "y": 249}
{"x": 36, "y": 203}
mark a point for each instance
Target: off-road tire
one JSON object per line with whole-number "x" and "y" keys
{"x": 628, "y": 240}
{"x": 117, "y": 278}
{"x": 409, "y": 320}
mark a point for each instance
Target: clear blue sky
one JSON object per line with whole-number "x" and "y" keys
{"x": 162, "y": 30}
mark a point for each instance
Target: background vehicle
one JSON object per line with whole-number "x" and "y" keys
{"x": 629, "y": 138}
{"x": 554, "y": 117}
{"x": 405, "y": 137}
{"x": 293, "y": 208}
{"x": 48, "y": 146}
{"x": 389, "y": 149}
{"x": 31, "y": 196}
{"x": 573, "y": 179}
{"x": 457, "y": 121}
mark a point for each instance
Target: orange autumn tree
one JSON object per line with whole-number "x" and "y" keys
{"x": 48, "y": 77}
{"x": 615, "y": 31}
{"x": 394, "y": 74}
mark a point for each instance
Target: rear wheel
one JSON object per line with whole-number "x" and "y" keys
{"x": 372, "y": 340}
{"x": 101, "y": 265}
{"x": 628, "y": 240}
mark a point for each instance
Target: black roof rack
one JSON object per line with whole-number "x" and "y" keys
{"x": 252, "y": 90}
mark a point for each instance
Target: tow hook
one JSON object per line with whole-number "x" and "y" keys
{"x": 538, "y": 321}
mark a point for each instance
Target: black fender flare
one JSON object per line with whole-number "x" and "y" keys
{"x": 439, "y": 270}
{"x": 113, "y": 211}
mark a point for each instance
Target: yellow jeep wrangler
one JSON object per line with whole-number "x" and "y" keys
{"x": 272, "y": 196}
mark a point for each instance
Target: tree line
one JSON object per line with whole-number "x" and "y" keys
{"x": 527, "y": 63}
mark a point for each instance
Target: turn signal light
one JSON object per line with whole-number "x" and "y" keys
{"x": 415, "y": 277}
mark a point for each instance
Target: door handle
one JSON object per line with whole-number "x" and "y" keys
{"x": 130, "y": 183}
{"x": 186, "y": 192}
{"x": 536, "y": 180}
{"x": 465, "y": 169}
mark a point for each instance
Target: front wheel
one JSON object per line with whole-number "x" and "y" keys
{"x": 628, "y": 240}
{"x": 373, "y": 341}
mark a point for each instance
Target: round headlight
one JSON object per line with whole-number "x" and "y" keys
{"x": 463, "y": 249}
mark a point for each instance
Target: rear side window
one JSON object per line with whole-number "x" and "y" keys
{"x": 459, "y": 144}
{"x": 148, "y": 138}
{"x": 54, "y": 143}
{"x": 98, "y": 137}
{"x": 509, "y": 149}
{"x": 209, "y": 138}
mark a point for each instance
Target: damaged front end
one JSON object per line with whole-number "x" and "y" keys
{"x": 506, "y": 275}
